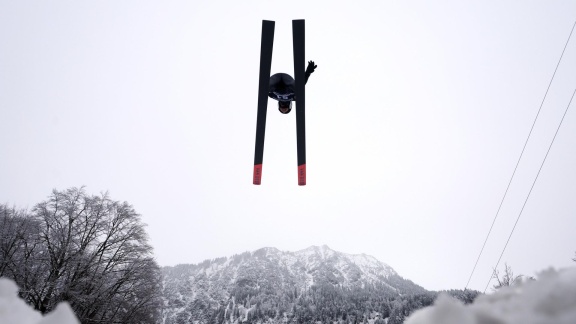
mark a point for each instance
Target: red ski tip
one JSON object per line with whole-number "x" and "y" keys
{"x": 302, "y": 175}
{"x": 257, "y": 174}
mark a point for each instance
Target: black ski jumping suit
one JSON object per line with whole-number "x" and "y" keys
{"x": 282, "y": 84}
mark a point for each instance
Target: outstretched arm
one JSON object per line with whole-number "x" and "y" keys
{"x": 309, "y": 70}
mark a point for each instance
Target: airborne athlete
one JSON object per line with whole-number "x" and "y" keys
{"x": 282, "y": 88}
{"x": 285, "y": 89}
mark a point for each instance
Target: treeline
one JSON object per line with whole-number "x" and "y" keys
{"x": 90, "y": 251}
{"x": 323, "y": 303}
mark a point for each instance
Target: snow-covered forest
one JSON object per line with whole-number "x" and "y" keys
{"x": 549, "y": 300}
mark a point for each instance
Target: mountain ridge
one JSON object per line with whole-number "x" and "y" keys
{"x": 274, "y": 280}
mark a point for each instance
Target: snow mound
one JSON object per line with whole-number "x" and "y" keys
{"x": 14, "y": 310}
{"x": 551, "y": 299}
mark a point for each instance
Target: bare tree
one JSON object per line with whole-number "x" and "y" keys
{"x": 508, "y": 279}
{"x": 19, "y": 247}
{"x": 12, "y": 234}
{"x": 92, "y": 252}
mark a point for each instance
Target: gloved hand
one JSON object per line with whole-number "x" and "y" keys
{"x": 311, "y": 67}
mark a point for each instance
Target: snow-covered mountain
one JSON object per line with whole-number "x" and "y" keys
{"x": 268, "y": 275}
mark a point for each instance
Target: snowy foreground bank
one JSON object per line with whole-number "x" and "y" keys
{"x": 14, "y": 310}
{"x": 551, "y": 299}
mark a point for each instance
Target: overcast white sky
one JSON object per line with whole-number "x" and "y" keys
{"x": 416, "y": 116}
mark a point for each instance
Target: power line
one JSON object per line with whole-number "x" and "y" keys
{"x": 533, "y": 183}
{"x": 519, "y": 158}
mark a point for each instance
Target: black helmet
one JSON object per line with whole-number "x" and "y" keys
{"x": 284, "y": 106}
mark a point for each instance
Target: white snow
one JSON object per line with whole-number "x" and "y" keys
{"x": 14, "y": 310}
{"x": 551, "y": 299}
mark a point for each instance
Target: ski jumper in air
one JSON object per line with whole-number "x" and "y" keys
{"x": 282, "y": 88}
{"x": 285, "y": 89}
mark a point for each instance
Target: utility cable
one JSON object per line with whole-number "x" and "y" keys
{"x": 519, "y": 158}
{"x": 533, "y": 183}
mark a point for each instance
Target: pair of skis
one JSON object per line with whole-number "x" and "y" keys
{"x": 300, "y": 96}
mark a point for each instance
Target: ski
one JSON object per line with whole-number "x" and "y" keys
{"x": 300, "y": 95}
{"x": 266, "y": 45}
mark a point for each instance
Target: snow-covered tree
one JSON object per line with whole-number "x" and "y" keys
{"x": 88, "y": 250}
